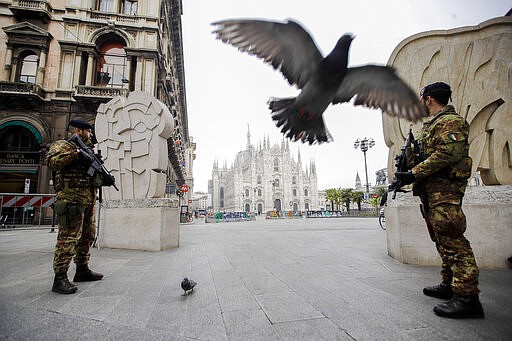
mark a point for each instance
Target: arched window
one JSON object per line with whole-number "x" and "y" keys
{"x": 246, "y": 193}
{"x": 28, "y": 68}
{"x": 112, "y": 67}
{"x": 294, "y": 192}
{"x": 305, "y": 192}
{"x": 276, "y": 164}
{"x": 18, "y": 139}
{"x": 259, "y": 180}
{"x": 221, "y": 195}
{"x": 294, "y": 180}
{"x": 306, "y": 206}
{"x": 259, "y": 192}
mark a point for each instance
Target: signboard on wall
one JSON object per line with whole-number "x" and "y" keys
{"x": 19, "y": 158}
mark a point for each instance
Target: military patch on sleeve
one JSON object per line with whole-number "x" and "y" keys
{"x": 455, "y": 136}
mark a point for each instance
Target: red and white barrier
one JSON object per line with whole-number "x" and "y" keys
{"x": 40, "y": 200}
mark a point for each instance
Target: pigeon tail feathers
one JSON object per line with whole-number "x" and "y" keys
{"x": 298, "y": 124}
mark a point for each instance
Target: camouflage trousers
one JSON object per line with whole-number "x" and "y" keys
{"x": 459, "y": 268}
{"x": 77, "y": 230}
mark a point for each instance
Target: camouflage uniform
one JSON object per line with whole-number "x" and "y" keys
{"x": 76, "y": 194}
{"x": 441, "y": 180}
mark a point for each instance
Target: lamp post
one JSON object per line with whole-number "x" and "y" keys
{"x": 365, "y": 144}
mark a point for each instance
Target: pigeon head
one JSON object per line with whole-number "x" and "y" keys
{"x": 340, "y": 51}
{"x": 345, "y": 40}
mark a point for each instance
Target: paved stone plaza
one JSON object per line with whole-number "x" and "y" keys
{"x": 307, "y": 279}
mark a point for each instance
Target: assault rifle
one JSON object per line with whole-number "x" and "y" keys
{"x": 95, "y": 162}
{"x": 401, "y": 162}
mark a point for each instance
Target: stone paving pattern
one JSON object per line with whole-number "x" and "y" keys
{"x": 306, "y": 279}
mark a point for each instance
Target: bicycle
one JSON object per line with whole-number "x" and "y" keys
{"x": 382, "y": 219}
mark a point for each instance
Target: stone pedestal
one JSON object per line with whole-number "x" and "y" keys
{"x": 488, "y": 210}
{"x": 140, "y": 224}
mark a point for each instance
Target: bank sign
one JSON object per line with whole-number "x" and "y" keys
{"x": 19, "y": 158}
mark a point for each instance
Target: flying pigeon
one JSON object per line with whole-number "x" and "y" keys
{"x": 289, "y": 48}
{"x": 187, "y": 285}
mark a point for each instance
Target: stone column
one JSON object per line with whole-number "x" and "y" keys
{"x": 76, "y": 71}
{"x": 8, "y": 66}
{"x": 90, "y": 70}
{"x": 14, "y": 69}
{"x": 138, "y": 74}
{"x": 40, "y": 68}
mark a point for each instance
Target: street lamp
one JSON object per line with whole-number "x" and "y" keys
{"x": 365, "y": 144}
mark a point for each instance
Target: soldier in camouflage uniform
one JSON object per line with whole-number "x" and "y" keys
{"x": 440, "y": 179}
{"x": 76, "y": 194}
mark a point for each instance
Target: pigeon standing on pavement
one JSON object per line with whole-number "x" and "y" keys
{"x": 289, "y": 48}
{"x": 187, "y": 285}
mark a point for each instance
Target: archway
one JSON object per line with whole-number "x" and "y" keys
{"x": 20, "y": 145}
{"x": 277, "y": 205}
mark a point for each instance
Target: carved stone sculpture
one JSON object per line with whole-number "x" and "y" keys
{"x": 132, "y": 134}
{"x": 476, "y": 62}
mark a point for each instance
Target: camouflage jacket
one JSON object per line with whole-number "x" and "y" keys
{"x": 442, "y": 175}
{"x": 70, "y": 178}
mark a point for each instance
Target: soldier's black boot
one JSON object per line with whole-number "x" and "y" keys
{"x": 84, "y": 274}
{"x": 443, "y": 291}
{"x": 62, "y": 285}
{"x": 461, "y": 307}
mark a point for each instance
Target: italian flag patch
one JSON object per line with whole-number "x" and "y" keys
{"x": 455, "y": 136}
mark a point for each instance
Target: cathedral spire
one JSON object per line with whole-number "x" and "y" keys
{"x": 248, "y": 137}
{"x": 358, "y": 181}
{"x": 312, "y": 166}
{"x": 298, "y": 156}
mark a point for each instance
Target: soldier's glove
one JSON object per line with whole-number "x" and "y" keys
{"x": 406, "y": 178}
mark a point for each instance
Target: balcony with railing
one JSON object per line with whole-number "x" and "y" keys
{"x": 21, "y": 89}
{"x": 21, "y": 95}
{"x": 115, "y": 17}
{"x": 40, "y": 9}
{"x": 98, "y": 93}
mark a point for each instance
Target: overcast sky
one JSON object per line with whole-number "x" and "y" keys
{"x": 227, "y": 90}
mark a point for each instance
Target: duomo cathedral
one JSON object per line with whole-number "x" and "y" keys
{"x": 264, "y": 178}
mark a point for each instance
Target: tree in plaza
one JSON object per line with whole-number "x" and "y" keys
{"x": 346, "y": 197}
{"x": 334, "y": 196}
{"x": 357, "y": 197}
{"x": 330, "y": 195}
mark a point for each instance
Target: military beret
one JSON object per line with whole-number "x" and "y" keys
{"x": 437, "y": 90}
{"x": 80, "y": 124}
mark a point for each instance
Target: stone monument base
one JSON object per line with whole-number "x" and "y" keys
{"x": 488, "y": 211}
{"x": 145, "y": 224}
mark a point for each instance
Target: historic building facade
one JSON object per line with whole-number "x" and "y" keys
{"x": 264, "y": 178}
{"x": 60, "y": 59}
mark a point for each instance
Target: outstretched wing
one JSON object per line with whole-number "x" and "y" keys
{"x": 284, "y": 45}
{"x": 380, "y": 87}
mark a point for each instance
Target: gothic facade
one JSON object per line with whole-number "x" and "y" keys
{"x": 264, "y": 178}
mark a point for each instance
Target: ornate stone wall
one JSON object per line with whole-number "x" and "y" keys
{"x": 477, "y": 63}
